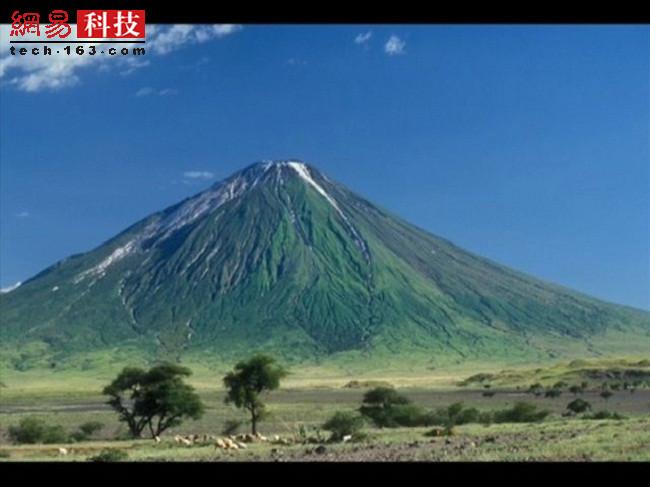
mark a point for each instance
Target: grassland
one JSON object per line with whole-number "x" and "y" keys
{"x": 309, "y": 397}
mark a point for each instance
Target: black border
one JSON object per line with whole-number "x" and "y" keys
{"x": 317, "y": 473}
{"x": 158, "y": 12}
{"x": 345, "y": 13}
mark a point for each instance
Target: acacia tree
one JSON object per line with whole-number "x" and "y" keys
{"x": 578, "y": 406}
{"x": 249, "y": 380}
{"x": 156, "y": 399}
{"x": 382, "y": 405}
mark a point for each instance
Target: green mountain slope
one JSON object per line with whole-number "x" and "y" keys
{"x": 279, "y": 257}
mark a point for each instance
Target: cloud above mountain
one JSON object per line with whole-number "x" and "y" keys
{"x": 35, "y": 73}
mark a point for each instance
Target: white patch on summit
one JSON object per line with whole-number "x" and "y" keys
{"x": 192, "y": 209}
{"x": 303, "y": 172}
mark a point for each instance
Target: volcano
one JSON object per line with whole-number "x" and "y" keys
{"x": 279, "y": 257}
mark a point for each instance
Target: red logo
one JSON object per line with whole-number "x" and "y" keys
{"x": 58, "y": 25}
{"x": 25, "y": 23}
{"x": 113, "y": 24}
{"x": 95, "y": 24}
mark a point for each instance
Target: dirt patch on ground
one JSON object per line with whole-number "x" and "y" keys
{"x": 510, "y": 446}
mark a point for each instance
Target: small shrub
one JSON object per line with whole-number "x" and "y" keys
{"x": 301, "y": 434}
{"x": 578, "y": 363}
{"x": 482, "y": 377}
{"x": 441, "y": 431}
{"x": 604, "y": 415}
{"x": 521, "y": 412}
{"x": 450, "y": 431}
{"x": 606, "y": 394}
{"x": 77, "y": 436}
{"x": 359, "y": 436}
{"x": 343, "y": 424}
{"x": 465, "y": 416}
{"x": 231, "y": 426}
{"x": 110, "y": 455}
{"x": 578, "y": 406}
{"x": 455, "y": 414}
{"x": 32, "y": 430}
{"x": 386, "y": 408}
{"x": 435, "y": 432}
{"x": 86, "y": 430}
{"x": 304, "y": 436}
{"x": 409, "y": 415}
{"x": 485, "y": 418}
{"x": 356, "y": 384}
{"x": 488, "y": 393}
{"x": 91, "y": 427}
{"x": 55, "y": 434}
{"x": 575, "y": 390}
{"x": 384, "y": 396}
{"x": 5, "y": 454}
{"x": 553, "y": 393}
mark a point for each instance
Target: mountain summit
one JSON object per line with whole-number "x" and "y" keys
{"x": 281, "y": 258}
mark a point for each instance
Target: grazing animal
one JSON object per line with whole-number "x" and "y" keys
{"x": 230, "y": 444}
{"x": 63, "y": 451}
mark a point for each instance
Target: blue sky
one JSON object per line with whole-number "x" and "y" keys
{"x": 524, "y": 144}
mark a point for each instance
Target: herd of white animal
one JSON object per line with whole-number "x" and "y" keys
{"x": 231, "y": 442}
{"x": 238, "y": 442}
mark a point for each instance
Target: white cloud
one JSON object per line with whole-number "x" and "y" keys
{"x": 198, "y": 175}
{"x": 394, "y": 46}
{"x": 148, "y": 90}
{"x": 197, "y": 64}
{"x": 144, "y": 91}
{"x": 363, "y": 38}
{"x": 23, "y": 214}
{"x": 296, "y": 62}
{"x": 40, "y": 72}
{"x": 174, "y": 37}
{"x": 133, "y": 64}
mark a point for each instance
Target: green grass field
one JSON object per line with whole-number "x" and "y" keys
{"x": 570, "y": 440}
{"x": 309, "y": 396}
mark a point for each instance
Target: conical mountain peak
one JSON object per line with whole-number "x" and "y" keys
{"x": 279, "y": 257}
